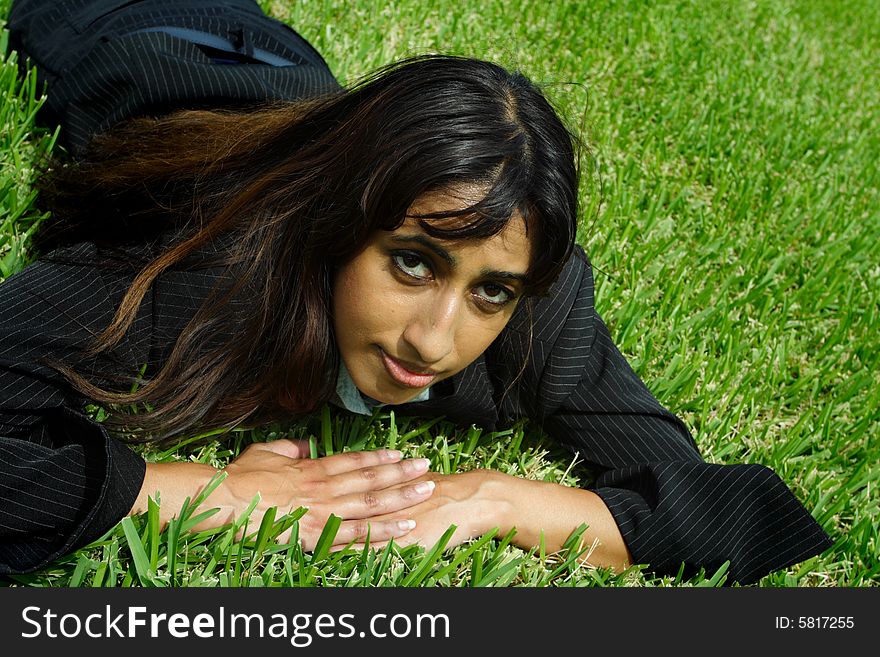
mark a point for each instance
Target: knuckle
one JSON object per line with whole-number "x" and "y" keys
{"x": 308, "y": 526}
{"x": 371, "y": 500}
{"x": 359, "y": 529}
{"x": 369, "y": 474}
{"x": 319, "y": 483}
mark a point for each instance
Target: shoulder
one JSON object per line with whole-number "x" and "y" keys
{"x": 542, "y": 352}
{"x": 62, "y": 280}
{"x": 55, "y": 307}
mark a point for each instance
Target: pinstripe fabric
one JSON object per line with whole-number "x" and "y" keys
{"x": 64, "y": 481}
{"x": 101, "y": 69}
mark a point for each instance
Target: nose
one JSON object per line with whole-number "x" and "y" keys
{"x": 430, "y": 332}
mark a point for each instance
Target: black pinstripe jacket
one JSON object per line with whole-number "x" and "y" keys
{"x": 64, "y": 481}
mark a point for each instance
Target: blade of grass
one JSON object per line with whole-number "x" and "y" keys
{"x": 421, "y": 572}
{"x": 138, "y": 553}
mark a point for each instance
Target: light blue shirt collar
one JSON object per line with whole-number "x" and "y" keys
{"x": 352, "y": 399}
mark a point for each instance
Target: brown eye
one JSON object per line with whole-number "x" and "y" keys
{"x": 494, "y": 294}
{"x": 411, "y": 264}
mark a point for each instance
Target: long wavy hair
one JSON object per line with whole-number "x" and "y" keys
{"x": 285, "y": 194}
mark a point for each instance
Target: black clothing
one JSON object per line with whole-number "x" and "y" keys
{"x": 64, "y": 481}
{"x": 108, "y": 60}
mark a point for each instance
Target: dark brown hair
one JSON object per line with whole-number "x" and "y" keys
{"x": 287, "y": 193}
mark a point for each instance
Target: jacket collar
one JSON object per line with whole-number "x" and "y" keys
{"x": 464, "y": 399}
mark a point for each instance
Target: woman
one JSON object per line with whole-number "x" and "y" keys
{"x": 407, "y": 242}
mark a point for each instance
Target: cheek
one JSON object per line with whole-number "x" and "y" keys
{"x": 363, "y": 304}
{"x": 475, "y": 335}
{"x": 349, "y": 303}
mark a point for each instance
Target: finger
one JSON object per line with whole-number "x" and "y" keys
{"x": 374, "y": 530}
{"x": 379, "y": 476}
{"x": 356, "y": 530}
{"x": 359, "y": 547}
{"x": 348, "y": 461}
{"x": 292, "y": 449}
{"x": 401, "y": 542}
{"x": 380, "y": 502}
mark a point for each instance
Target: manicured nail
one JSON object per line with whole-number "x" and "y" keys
{"x": 406, "y": 525}
{"x": 424, "y": 487}
{"x": 392, "y": 454}
{"x": 417, "y": 465}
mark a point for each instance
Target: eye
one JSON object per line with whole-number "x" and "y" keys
{"x": 412, "y": 264}
{"x": 494, "y": 294}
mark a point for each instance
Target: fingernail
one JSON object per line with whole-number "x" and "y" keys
{"x": 406, "y": 525}
{"x": 424, "y": 487}
{"x": 417, "y": 465}
{"x": 393, "y": 454}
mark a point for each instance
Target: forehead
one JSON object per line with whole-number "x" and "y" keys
{"x": 512, "y": 243}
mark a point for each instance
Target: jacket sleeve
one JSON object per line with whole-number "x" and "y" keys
{"x": 672, "y": 507}
{"x": 63, "y": 480}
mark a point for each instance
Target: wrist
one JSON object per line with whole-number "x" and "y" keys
{"x": 170, "y": 484}
{"x": 500, "y": 493}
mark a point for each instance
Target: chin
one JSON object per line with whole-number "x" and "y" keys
{"x": 397, "y": 397}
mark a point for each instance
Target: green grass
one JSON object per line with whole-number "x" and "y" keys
{"x": 731, "y": 213}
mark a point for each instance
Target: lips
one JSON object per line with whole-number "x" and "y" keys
{"x": 405, "y": 376}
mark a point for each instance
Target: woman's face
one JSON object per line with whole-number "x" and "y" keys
{"x": 411, "y": 310}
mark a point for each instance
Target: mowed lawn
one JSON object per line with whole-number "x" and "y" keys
{"x": 730, "y": 208}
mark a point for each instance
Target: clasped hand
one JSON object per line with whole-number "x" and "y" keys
{"x": 375, "y": 493}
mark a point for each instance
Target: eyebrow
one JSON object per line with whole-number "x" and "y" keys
{"x": 429, "y": 244}
{"x": 450, "y": 260}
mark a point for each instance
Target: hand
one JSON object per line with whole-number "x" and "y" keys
{"x": 356, "y": 486}
{"x": 542, "y": 513}
{"x": 469, "y": 500}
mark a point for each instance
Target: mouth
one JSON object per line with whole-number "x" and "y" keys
{"x": 407, "y": 375}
